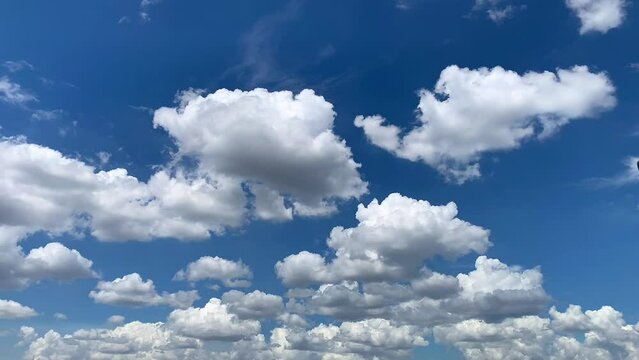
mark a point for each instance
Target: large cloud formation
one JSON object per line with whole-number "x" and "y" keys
{"x": 352, "y": 310}
{"x": 280, "y": 144}
{"x": 473, "y": 112}
{"x": 392, "y": 240}
{"x": 598, "y": 15}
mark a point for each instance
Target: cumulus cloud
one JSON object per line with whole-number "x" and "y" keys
{"x": 279, "y": 143}
{"x": 255, "y": 305}
{"x": 230, "y": 273}
{"x": 134, "y": 340}
{"x": 27, "y": 335}
{"x": 10, "y": 309}
{"x": 13, "y": 93}
{"x": 473, "y": 112}
{"x": 132, "y": 291}
{"x": 595, "y": 334}
{"x": 43, "y": 190}
{"x": 392, "y": 240}
{"x": 598, "y": 15}
{"x": 212, "y": 322}
{"x": 53, "y": 261}
{"x": 496, "y": 290}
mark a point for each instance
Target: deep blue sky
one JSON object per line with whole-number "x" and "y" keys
{"x": 365, "y": 57}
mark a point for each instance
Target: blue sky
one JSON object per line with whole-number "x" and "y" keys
{"x": 87, "y": 79}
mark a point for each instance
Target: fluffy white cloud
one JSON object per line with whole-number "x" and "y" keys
{"x": 391, "y": 241}
{"x": 42, "y": 190}
{"x": 594, "y": 335}
{"x": 493, "y": 291}
{"x": 134, "y": 340}
{"x": 10, "y": 309}
{"x": 472, "y": 112}
{"x": 255, "y": 305}
{"x": 132, "y": 291}
{"x": 598, "y": 15}
{"x": 212, "y": 322}
{"x": 230, "y": 273}
{"x": 53, "y": 261}
{"x": 13, "y": 93}
{"x": 282, "y": 142}
{"x": 27, "y": 335}
{"x": 520, "y": 338}
{"x": 369, "y": 339}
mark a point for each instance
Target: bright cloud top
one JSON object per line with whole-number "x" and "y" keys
{"x": 230, "y": 273}
{"x": 278, "y": 143}
{"x": 392, "y": 240}
{"x": 132, "y": 291}
{"x": 13, "y": 310}
{"x": 598, "y": 15}
{"x": 473, "y": 112}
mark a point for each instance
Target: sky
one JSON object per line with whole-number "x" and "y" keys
{"x": 388, "y": 179}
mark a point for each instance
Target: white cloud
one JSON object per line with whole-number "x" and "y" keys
{"x": 134, "y": 340}
{"x": 369, "y": 339}
{"x": 497, "y": 10}
{"x": 53, "y": 261}
{"x": 103, "y": 157}
{"x": 27, "y": 335}
{"x": 60, "y": 316}
{"x": 145, "y": 5}
{"x": 212, "y": 322}
{"x": 230, "y": 273}
{"x": 46, "y": 115}
{"x": 255, "y": 305}
{"x": 598, "y": 15}
{"x": 629, "y": 176}
{"x": 45, "y": 191}
{"x": 10, "y": 309}
{"x": 13, "y": 93}
{"x": 593, "y": 335}
{"x": 391, "y": 241}
{"x": 132, "y": 291}
{"x": 281, "y": 141}
{"x": 473, "y": 112}
{"x": 116, "y": 320}
{"x": 520, "y": 338}
{"x": 17, "y": 65}
{"x": 496, "y": 290}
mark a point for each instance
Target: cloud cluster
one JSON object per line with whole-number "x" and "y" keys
{"x": 598, "y": 15}
{"x": 392, "y": 240}
{"x": 595, "y": 334}
{"x": 382, "y": 300}
{"x": 132, "y": 291}
{"x": 280, "y": 144}
{"x": 474, "y": 112}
